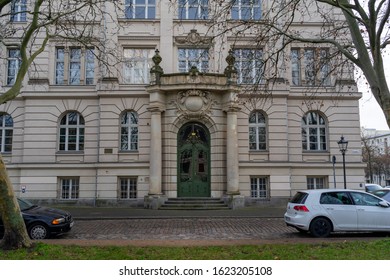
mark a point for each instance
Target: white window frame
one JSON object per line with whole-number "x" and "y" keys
{"x": 189, "y": 57}
{"x": 132, "y": 8}
{"x": 249, "y": 65}
{"x": 314, "y": 183}
{"x": 67, "y": 127}
{"x": 187, "y": 7}
{"x": 129, "y": 131}
{"x": 240, "y": 10}
{"x": 72, "y": 69}
{"x": 259, "y": 187}
{"x": 6, "y": 133}
{"x": 314, "y": 132}
{"x": 128, "y": 188}
{"x": 19, "y": 11}
{"x": 137, "y": 65}
{"x": 258, "y": 129}
{"x": 69, "y": 188}
{"x": 14, "y": 62}
{"x": 310, "y": 67}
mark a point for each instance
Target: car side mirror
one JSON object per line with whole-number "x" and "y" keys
{"x": 384, "y": 204}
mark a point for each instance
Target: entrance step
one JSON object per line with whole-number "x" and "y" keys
{"x": 194, "y": 203}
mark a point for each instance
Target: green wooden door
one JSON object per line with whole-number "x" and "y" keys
{"x": 193, "y": 161}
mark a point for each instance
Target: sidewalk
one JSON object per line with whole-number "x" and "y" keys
{"x": 112, "y": 213}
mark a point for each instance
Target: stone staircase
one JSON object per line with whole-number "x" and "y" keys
{"x": 194, "y": 203}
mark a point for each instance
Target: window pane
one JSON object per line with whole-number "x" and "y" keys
{"x": 137, "y": 65}
{"x": 129, "y": 131}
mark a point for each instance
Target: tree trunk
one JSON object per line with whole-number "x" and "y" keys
{"x": 15, "y": 233}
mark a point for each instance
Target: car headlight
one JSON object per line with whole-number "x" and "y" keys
{"x": 58, "y": 221}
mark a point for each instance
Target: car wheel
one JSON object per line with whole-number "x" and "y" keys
{"x": 320, "y": 227}
{"x": 38, "y": 231}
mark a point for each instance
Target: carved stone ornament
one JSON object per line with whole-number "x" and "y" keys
{"x": 193, "y": 38}
{"x": 193, "y": 103}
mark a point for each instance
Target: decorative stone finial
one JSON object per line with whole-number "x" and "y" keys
{"x": 230, "y": 70}
{"x": 156, "y": 70}
{"x": 194, "y": 71}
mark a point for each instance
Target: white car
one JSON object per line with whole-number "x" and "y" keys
{"x": 321, "y": 212}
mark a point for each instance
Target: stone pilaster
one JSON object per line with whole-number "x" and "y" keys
{"x": 232, "y": 149}
{"x": 155, "y": 198}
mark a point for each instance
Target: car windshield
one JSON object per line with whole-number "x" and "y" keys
{"x": 25, "y": 204}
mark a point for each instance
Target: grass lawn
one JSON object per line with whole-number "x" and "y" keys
{"x": 347, "y": 250}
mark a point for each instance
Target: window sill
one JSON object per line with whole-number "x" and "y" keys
{"x": 70, "y": 153}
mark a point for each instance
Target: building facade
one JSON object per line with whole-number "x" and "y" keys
{"x": 174, "y": 122}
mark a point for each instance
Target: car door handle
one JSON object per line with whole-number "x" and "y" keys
{"x": 329, "y": 208}
{"x": 360, "y": 209}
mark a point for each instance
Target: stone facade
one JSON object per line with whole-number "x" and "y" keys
{"x": 170, "y": 101}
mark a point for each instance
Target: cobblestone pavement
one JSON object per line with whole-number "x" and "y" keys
{"x": 194, "y": 231}
{"x": 181, "y": 229}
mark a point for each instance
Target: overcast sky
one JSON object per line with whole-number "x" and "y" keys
{"x": 371, "y": 115}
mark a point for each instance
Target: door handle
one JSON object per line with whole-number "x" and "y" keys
{"x": 329, "y": 208}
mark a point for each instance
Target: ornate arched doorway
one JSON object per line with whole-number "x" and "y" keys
{"x": 193, "y": 152}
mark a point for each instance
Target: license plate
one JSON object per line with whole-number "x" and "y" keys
{"x": 71, "y": 224}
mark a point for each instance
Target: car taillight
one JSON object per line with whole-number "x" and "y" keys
{"x": 302, "y": 208}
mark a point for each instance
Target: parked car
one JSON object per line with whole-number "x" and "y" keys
{"x": 42, "y": 222}
{"x": 372, "y": 187}
{"x": 383, "y": 193}
{"x": 321, "y": 212}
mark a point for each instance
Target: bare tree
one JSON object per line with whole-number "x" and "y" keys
{"x": 76, "y": 21}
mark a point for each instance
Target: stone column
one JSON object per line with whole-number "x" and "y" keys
{"x": 232, "y": 152}
{"x": 155, "y": 152}
{"x": 155, "y": 198}
{"x": 232, "y": 197}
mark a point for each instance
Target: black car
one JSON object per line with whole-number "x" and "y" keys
{"x": 43, "y": 222}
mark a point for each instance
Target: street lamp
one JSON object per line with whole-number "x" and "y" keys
{"x": 343, "y": 145}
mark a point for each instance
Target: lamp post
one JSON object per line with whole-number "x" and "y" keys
{"x": 343, "y": 145}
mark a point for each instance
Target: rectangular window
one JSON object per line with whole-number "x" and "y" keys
{"x": 128, "y": 188}
{"x": 69, "y": 188}
{"x": 295, "y": 67}
{"x": 60, "y": 64}
{"x": 140, "y": 9}
{"x": 246, "y": 9}
{"x": 193, "y": 9}
{"x": 74, "y": 66}
{"x": 189, "y": 58}
{"x": 310, "y": 67}
{"x": 89, "y": 66}
{"x": 314, "y": 183}
{"x": 69, "y": 65}
{"x": 14, "y": 63}
{"x": 259, "y": 187}
{"x": 19, "y": 11}
{"x": 137, "y": 66}
{"x": 249, "y": 64}
{"x": 257, "y": 132}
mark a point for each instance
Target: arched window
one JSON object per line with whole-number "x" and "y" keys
{"x": 129, "y": 131}
{"x": 72, "y": 132}
{"x": 257, "y": 131}
{"x": 314, "y": 136}
{"x": 6, "y": 133}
